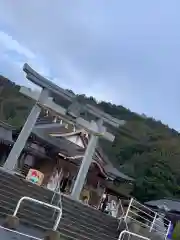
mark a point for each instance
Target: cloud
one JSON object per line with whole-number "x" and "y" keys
{"x": 73, "y": 48}
{"x": 14, "y": 55}
{"x": 12, "y": 45}
{"x": 126, "y": 52}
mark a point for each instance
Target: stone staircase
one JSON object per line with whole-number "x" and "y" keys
{"x": 79, "y": 222}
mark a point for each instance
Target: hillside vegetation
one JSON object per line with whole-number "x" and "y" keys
{"x": 144, "y": 148}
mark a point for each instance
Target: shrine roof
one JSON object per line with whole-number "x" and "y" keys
{"x": 45, "y": 128}
{"x": 114, "y": 172}
{"x": 170, "y": 204}
{"x": 65, "y": 146}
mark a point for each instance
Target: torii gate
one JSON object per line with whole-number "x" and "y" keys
{"x": 71, "y": 115}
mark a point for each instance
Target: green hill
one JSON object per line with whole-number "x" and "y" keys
{"x": 144, "y": 148}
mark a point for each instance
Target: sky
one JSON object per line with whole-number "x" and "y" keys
{"x": 124, "y": 52}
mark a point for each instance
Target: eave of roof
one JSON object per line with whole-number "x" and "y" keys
{"x": 6, "y": 126}
{"x": 172, "y": 204}
{"x": 115, "y": 173}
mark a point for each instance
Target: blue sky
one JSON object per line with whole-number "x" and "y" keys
{"x": 125, "y": 52}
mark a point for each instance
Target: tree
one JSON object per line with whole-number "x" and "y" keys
{"x": 157, "y": 182}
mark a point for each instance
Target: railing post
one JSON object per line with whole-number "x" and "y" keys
{"x": 18, "y": 206}
{"x": 126, "y": 215}
{"x": 169, "y": 227}
{"x": 153, "y": 222}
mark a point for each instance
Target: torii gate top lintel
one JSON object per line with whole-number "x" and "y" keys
{"x": 75, "y": 107}
{"x": 43, "y": 82}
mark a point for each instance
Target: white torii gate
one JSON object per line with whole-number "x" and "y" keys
{"x": 70, "y": 115}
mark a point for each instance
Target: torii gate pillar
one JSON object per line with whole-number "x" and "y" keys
{"x": 84, "y": 168}
{"x": 19, "y": 145}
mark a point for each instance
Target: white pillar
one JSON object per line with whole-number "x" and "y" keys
{"x": 86, "y": 162}
{"x": 25, "y": 133}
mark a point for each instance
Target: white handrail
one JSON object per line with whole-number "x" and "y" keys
{"x": 21, "y": 234}
{"x": 130, "y": 203}
{"x": 41, "y": 203}
{"x": 134, "y": 211}
{"x": 148, "y": 208}
{"x": 57, "y": 191}
{"x": 122, "y": 215}
{"x": 133, "y": 234}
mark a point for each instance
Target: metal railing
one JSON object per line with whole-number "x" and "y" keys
{"x": 41, "y": 203}
{"x": 18, "y": 233}
{"x": 57, "y": 192}
{"x": 122, "y": 217}
{"x": 131, "y": 234}
{"x": 147, "y": 218}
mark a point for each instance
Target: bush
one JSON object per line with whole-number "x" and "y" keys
{"x": 176, "y": 232}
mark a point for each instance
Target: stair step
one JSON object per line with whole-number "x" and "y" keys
{"x": 45, "y": 192}
{"x": 9, "y": 197}
{"x": 79, "y": 221}
{"x": 35, "y": 216}
{"x": 44, "y": 214}
{"x": 65, "y": 201}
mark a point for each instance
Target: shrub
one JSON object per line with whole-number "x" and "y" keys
{"x": 176, "y": 232}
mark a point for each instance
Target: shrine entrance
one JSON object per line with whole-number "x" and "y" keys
{"x": 94, "y": 186}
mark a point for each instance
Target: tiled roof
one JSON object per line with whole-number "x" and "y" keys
{"x": 66, "y": 147}
{"x": 112, "y": 171}
{"x": 171, "y": 204}
{"x": 71, "y": 149}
